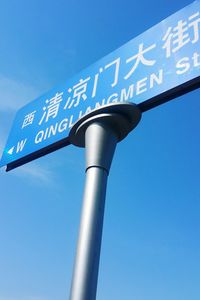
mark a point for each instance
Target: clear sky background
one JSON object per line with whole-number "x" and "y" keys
{"x": 151, "y": 245}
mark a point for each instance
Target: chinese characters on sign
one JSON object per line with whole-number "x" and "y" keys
{"x": 184, "y": 32}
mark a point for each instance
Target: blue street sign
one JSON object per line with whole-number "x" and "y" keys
{"x": 154, "y": 67}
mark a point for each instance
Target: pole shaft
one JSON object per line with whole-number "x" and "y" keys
{"x": 99, "y": 138}
{"x": 88, "y": 249}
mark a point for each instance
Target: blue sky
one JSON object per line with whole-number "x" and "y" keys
{"x": 151, "y": 247}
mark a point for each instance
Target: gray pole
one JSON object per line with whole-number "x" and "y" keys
{"x": 100, "y": 147}
{"x": 99, "y": 132}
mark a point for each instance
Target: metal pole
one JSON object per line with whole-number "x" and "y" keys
{"x": 100, "y": 143}
{"x": 99, "y": 132}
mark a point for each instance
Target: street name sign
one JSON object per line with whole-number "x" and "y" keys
{"x": 156, "y": 66}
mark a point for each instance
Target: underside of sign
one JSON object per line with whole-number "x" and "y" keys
{"x": 171, "y": 94}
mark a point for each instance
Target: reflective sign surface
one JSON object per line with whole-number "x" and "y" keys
{"x": 154, "y": 67}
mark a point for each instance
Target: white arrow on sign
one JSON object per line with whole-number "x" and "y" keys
{"x": 11, "y": 150}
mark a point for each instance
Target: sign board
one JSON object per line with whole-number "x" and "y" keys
{"x": 154, "y": 67}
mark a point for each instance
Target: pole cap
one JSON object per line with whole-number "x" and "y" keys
{"x": 121, "y": 117}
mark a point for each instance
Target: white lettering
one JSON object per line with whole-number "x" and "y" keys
{"x": 63, "y": 125}
{"x": 126, "y": 95}
{"x": 52, "y": 130}
{"x": 46, "y": 133}
{"x": 20, "y": 145}
{"x": 182, "y": 65}
{"x": 80, "y": 114}
{"x": 99, "y": 105}
{"x": 113, "y": 98}
{"x": 88, "y": 110}
{"x": 141, "y": 86}
{"x": 154, "y": 78}
{"x": 42, "y": 135}
{"x": 39, "y": 137}
{"x": 195, "y": 59}
{"x": 71, "y": 121}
